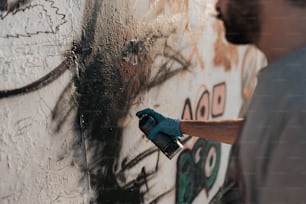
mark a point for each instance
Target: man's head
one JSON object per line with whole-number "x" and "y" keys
{"x": 274, "y": 26}
{"x": 241, "y": 20}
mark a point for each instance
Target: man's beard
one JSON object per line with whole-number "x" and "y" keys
{"x": 242, "y": 21}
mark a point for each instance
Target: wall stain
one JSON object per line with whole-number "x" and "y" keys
{"x": 175, "y": 6}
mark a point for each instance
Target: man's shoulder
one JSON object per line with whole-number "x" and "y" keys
{"x": 292, "y": 64}
{"x": 284, "y": 80}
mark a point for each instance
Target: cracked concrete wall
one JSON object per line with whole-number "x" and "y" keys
{"x": 74, "y": 73}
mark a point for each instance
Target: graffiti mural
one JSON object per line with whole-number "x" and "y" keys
{"x": 197, "y": 169}
{"x": 74, "y": 73}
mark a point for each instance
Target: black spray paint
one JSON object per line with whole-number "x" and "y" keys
{"x": 112, "y": 76}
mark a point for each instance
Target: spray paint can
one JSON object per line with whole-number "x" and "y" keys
{"x": 168, "y": 145}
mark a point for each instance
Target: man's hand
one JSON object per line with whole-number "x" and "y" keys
{"x": 165, "y": 125}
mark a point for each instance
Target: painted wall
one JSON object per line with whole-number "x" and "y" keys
{"x": 73, "y": 74}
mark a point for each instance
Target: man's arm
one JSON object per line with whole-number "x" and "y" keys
{"x": 225, "y": 131}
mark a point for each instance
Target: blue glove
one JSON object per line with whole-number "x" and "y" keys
{"x": 165, "y": 125}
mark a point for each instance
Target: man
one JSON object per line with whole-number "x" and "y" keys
{"x": 272, "y": 145}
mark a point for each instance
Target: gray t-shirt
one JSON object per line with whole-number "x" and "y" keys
{"x": 272, "y": 146}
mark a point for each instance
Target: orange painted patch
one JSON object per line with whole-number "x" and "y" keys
{"x": 194, "y": 46}
{"x": 226, "y": 54}
{"x": 175, "y": 6}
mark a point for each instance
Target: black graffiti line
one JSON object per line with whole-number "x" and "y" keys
{"x": 84, "y": 135}
{"x": 163, "y": 75}
{"x": 176, "y": 56}
{"x": 2, "y": 17}
{"x": 142, "y": 178}
{"x": 42, "y": 82}
{"x": 72, "y": 101}
{"x": 58, "y": 13}
{"x": 157, "y": 161}
{"x": 57, "y": 10}
{"x": 136, "y": 160}
{"x": 54, "y": 31}
{"x": 11, "y": 7}
{"x": 161, "y": 196}
{"x": 67, "y": 114}
{"x": 186, "y": 139}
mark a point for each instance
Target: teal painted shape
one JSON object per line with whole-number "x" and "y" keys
{"x": 190, "y": 177}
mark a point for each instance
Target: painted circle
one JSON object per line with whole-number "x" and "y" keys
{"x": 211, "y": 160}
